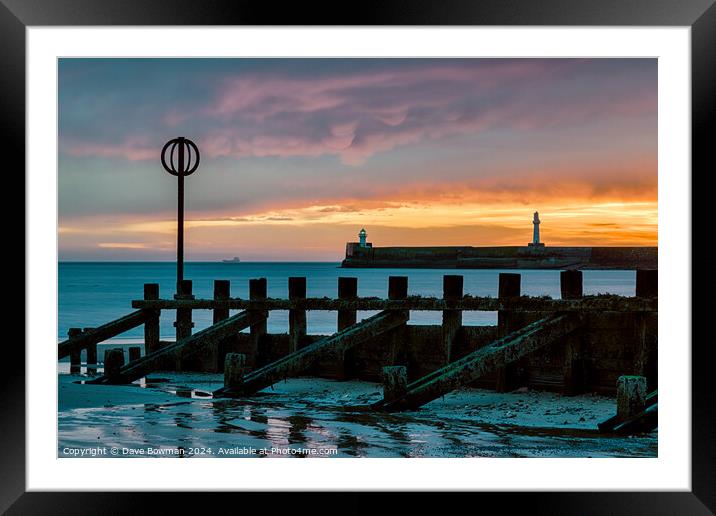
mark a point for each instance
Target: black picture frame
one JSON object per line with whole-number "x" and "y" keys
{"x": 700, "y": 15}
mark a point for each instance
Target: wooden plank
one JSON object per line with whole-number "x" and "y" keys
{"x": 600, "y": 304}
{"x": 102, "y": 333}
{"x": 468, "y": 369}
{"x": 299, "y": 361}
{"x": 185, "y": 347}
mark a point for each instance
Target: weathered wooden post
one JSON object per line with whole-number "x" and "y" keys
{"x": 258, "y": 290}
{"x": 183, "y": 323}
{"x": 647, "y": 283}
{"x": 397, "y": 289}
{"x": 134, "y": 353}
{"x": 296, "y": 318}
{"x": 151, "y": 326}
{"x": 452, "y": 319}
{"x": 75, "y": 353}
{"x": 347, "y": 289}
{"x": 509, "y": 286}
{"x": 222, "y": 292}
{"x": 631, "y": 396}
{"x": 234, "y": 370}
{"x": 571, "y": 287}
{"x": 113, "y": 362}
{"x": 91, "y": 355}
{"x": 395, "y": 382}
{"x": 570, "y": 283}
{"x": 368, "y": 360}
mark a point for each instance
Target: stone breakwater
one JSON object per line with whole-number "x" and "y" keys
{"x": 505, "y": 257}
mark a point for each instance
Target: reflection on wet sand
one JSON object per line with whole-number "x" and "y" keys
{"x": 324, "y": 416}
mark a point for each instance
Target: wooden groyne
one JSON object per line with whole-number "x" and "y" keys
{"x": 336, "y": 345}
{"x": 574, "y": 344}
{"x": 477, "y": 364}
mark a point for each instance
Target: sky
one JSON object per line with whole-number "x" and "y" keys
{"x": 297, "y": 155}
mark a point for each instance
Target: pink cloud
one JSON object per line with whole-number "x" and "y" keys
{"x": 131, "y": 150}
{"x": 359, "y": 114}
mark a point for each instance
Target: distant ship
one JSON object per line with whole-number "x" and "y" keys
{"x": 235, "y": 259}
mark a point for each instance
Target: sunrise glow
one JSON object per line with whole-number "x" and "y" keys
{"x": 298, "y": 155}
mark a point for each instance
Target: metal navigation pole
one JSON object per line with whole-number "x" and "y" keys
{"x": 180, "y": 157}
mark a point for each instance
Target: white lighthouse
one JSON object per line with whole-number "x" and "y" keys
{"x": 362, "y": 236}
{"x": 535, "y": 232}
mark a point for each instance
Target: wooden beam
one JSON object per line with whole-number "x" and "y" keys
{"x": 102, "y": 333}
{"x": 600, "y": 303}
{"x": 302, "y": 359}
{"x": 485, "y": 360}
{"x": 185, "y": 347}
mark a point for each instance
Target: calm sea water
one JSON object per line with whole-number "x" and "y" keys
{"x": 93, "y": 293}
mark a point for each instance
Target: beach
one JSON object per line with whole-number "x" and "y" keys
{"x": 332, "y": 418}
{"x": 173, "y": 414}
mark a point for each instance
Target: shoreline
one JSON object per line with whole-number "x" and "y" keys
{"x": 330, "y": 414}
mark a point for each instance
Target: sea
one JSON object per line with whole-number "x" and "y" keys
{"x": 94, "y": 293}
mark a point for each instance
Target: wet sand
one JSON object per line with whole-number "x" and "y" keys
{"x": 176, "y": 416}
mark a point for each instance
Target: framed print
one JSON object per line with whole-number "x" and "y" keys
{"x": 423, "y": 252}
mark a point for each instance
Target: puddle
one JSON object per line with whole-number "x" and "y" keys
{"x": 310, "y": 414}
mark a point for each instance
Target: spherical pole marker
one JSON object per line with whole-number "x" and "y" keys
{"x": 187, "y": 161}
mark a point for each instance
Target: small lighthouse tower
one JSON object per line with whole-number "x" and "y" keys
{"x": 535, "y": 232}
{"x": 362, "y": 236}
